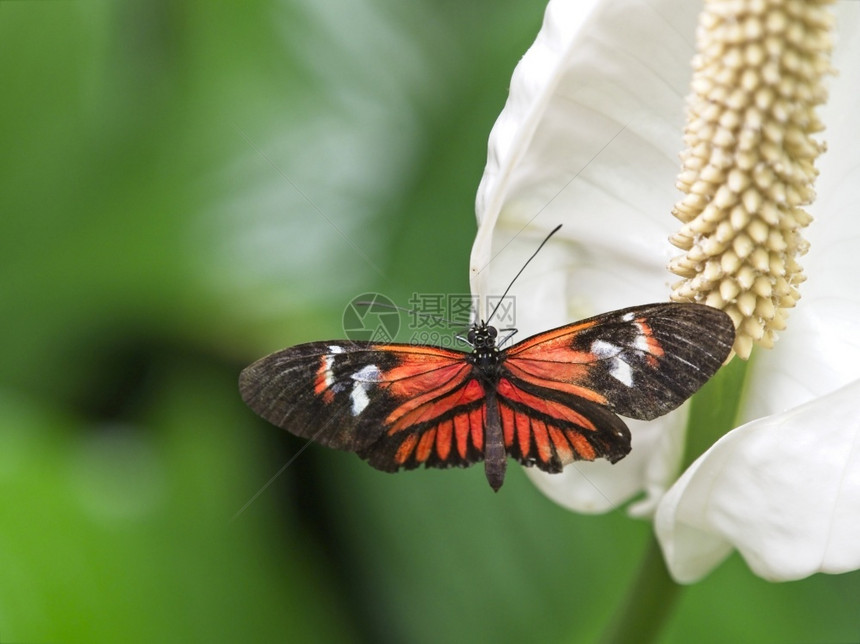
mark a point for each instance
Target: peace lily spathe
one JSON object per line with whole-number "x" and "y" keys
{"x": 589, "y": 138}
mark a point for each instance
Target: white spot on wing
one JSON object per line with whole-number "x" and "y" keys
{"x": 641, "y": 343}
{"x": 603, "y": 349}
{"x": 335, "y": 349}
{"x": 327, "y": 373}
{"x": 619, "y": 370}
{"x": 622, "y": 372}
{"x": 627, "y": 317}
{"x": 359, "y": 398}
{"x": 642, "y": 340}
{"x": 367, "y": 374}
{"x": 364, "y": 379}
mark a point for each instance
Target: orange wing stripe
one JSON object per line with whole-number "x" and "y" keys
{"x": 419, "y": 352}
{"x": 425, "y": 445}
{"x": 320, "y": 381}
{"x": 461, "y": 431}
{"x": 544, "y": 451}
{"x": 553, "y": 335}
{"x": 443, "y": 439}
{"x": 409, "y": 414}
{"x": 654, "y": 347}
{"x": 476, "y": 421}
{"x": 548, "y": 360}
{"x": 405, "y": 449}
{"x": 416, "y": 388}
{"x": 523, "y": 433}
{"x": 546, "y": 407}
{"x": 580, "y": 444}
{"x": 562, "y": 447}
{"x": 555, "y": 375}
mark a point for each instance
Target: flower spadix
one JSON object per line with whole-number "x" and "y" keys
{"x": 748, "y": 166}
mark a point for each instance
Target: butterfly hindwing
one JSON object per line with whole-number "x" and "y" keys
{"x": 455, "y": 438}
{"x": 550, "y": 429}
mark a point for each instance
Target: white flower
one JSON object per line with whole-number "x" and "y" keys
{"x": 590, "y": 138}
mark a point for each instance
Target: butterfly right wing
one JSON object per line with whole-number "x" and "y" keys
{"x": 641, "y": 362}
{"x": 395, "y": 405}
{"x": 560, "y": 389}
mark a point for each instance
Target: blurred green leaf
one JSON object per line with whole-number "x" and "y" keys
{"x": 124, "y": 532}
{"x": 184, "y": 186}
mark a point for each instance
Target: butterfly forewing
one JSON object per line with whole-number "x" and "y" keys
{"x": 640, "y": 362}
{"x": 396, "y": 405}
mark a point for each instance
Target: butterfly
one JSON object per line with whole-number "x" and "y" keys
{"x": 547, "y": 401}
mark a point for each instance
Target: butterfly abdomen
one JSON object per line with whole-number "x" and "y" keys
{"x": 495, "y": 452}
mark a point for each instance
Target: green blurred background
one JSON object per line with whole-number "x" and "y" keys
{"x": 185, "y": 186}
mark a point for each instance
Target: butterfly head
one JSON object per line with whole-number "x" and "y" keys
{"x": 482, "y": 337}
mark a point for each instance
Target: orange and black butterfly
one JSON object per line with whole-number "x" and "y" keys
{"x": 546, "y": 401}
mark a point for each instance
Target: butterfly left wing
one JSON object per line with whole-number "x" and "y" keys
{"x": 641, "y": 362}
{"x": 396, "y": 405}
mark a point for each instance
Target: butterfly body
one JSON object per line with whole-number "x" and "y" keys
{"x": 546, "y": 401}
{"x": 486, "y": 359}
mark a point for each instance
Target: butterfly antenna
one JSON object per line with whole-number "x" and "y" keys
{"x": 502, "y": 299}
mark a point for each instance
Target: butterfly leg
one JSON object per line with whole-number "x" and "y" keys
{"x": 495, "y": 454}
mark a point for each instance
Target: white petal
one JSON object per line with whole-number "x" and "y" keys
{"x": 663, "y": 460}
{"x": 783, "y": 490}
{"x": 820, "y": 350}
{"x": 600, "y": 486}
{"x": 589, "y": 138}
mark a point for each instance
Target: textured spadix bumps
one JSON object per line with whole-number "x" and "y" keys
{"x": 748, "y": 166}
